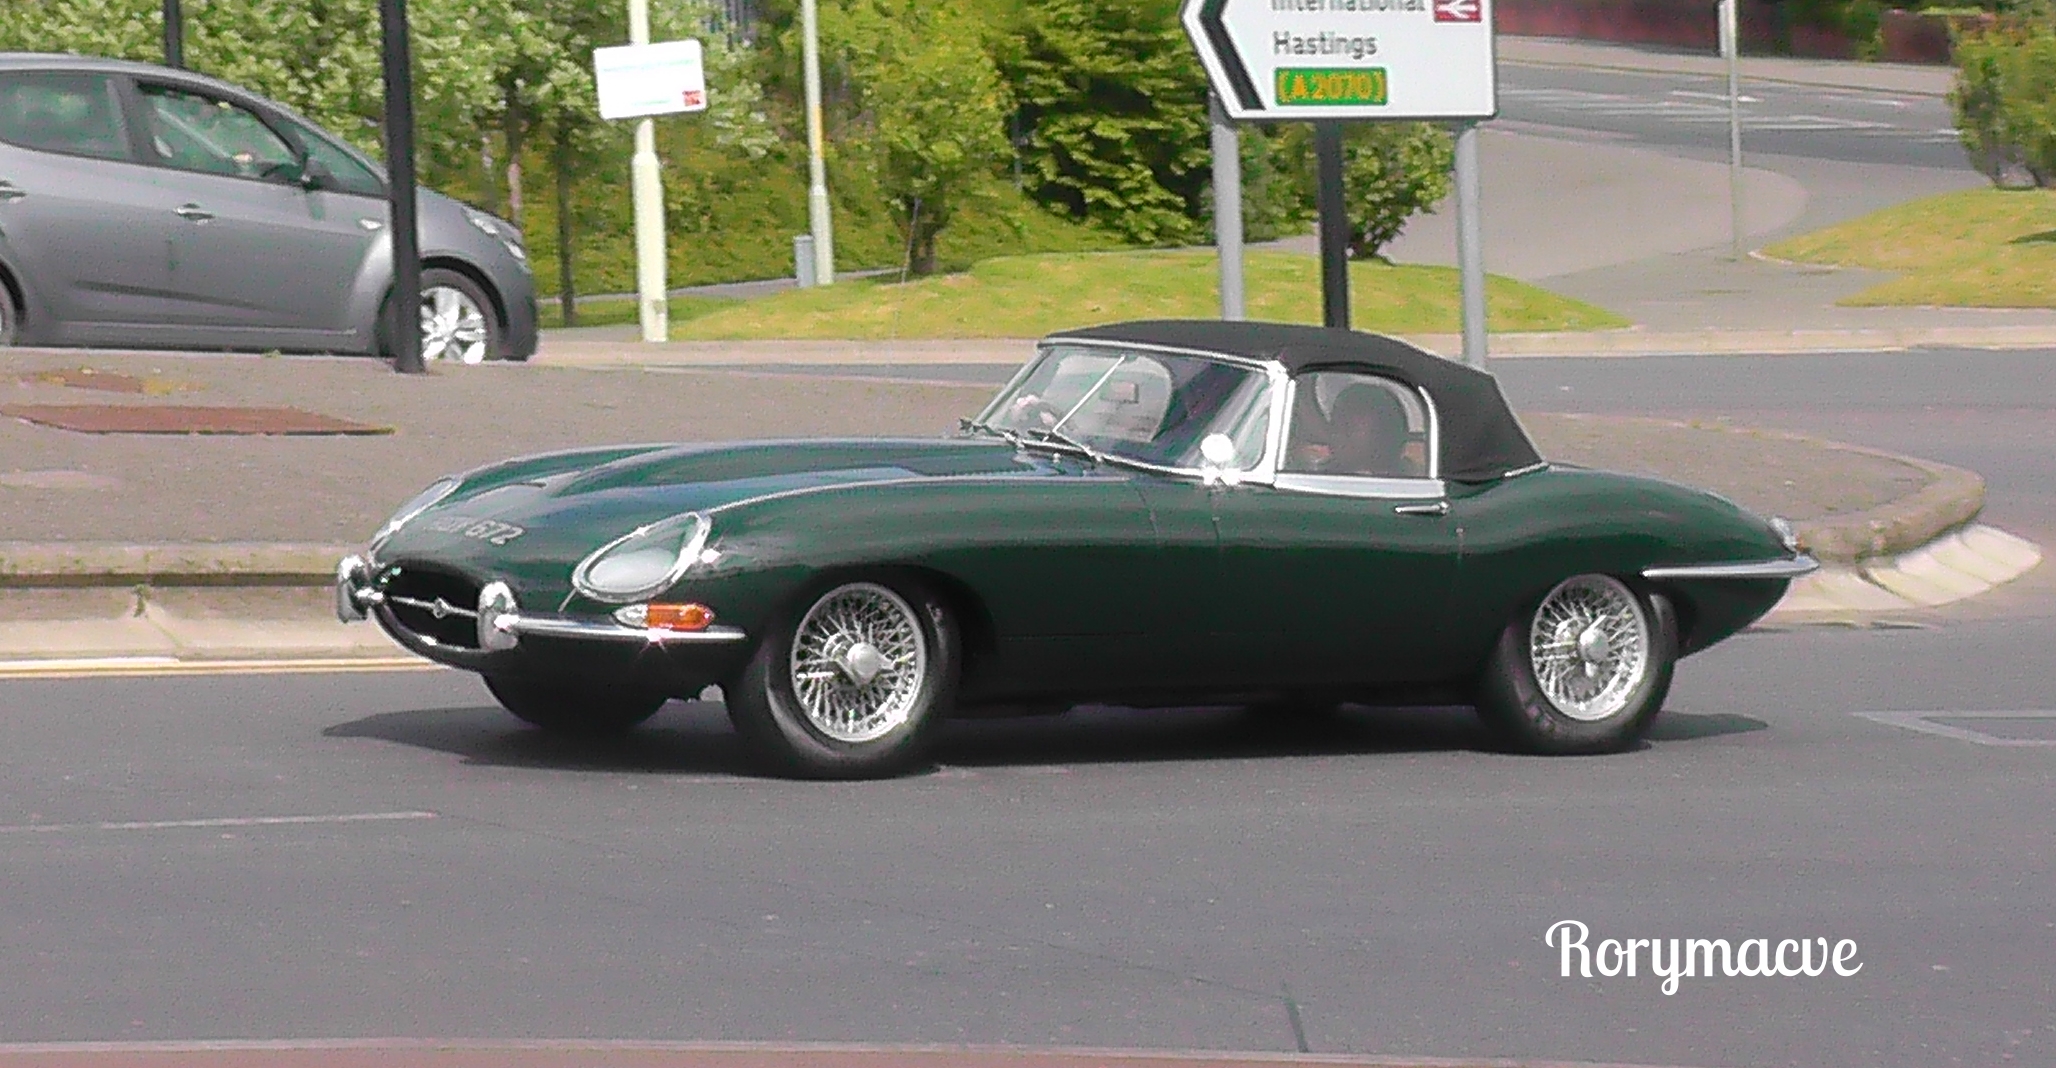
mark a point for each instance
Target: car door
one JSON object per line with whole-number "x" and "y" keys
{"x": 261, "y": 259}
{"x": 1342, "y": 570}
{"x": 77, "y": 213}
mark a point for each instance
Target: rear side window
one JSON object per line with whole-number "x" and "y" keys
{"x": 61, "y": 111}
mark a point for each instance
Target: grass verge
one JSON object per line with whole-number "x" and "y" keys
{"x": 1028, "y": 296}
{"x": 1980, "y": 248}
{"x": 616, "y": 312}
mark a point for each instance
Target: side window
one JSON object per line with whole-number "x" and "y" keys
{"x": 200, "y": 133}
{"x": 350, "y": 175}
{"x": 58, "y": 111}
{"x": 1352, "y": 423}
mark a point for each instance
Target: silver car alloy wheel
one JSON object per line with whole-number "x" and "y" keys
{"x": 1589, "y": 647}
{"x": 859, "y": 662}
{"x": 452, "y": 326}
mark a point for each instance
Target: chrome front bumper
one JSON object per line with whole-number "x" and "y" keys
{"x": 501, "y": 622}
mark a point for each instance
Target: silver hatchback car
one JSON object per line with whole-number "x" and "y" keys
{"x": 146, "y": 207}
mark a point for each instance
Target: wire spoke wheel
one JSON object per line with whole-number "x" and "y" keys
{"x": 453, "y": 326}
{"x": 859, "y": 662}
{"x": 1589, "y": 646}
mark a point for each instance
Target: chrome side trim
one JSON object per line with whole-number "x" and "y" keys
{"x": 1367, "y": 486}
{"x": 1539, "y": 465}
{"x": 1754, "y": 569}
{"x": 566, "y": 627}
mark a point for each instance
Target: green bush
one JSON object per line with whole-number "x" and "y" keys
{"x": 2005, "y": 100}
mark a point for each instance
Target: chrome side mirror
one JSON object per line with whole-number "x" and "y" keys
{"x": 1217, "y": 451}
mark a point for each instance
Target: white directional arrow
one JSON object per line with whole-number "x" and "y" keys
{"x": 1286, "y": 60}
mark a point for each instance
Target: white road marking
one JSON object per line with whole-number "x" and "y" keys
{"x": 1722, "y": 97}
{"x": 132, "y": 666}
{"x": 226, "y": 821}
{"x": 1924, "y": 723}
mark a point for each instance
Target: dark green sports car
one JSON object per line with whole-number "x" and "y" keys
{"x": 1153, "y": 513}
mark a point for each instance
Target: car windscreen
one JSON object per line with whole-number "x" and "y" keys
{"x": 1153, "y": 407}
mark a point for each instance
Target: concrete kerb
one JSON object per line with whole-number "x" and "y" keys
{"x": 83, "y": 564}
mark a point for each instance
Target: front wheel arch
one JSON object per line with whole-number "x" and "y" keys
{"x": 496, "y": 304}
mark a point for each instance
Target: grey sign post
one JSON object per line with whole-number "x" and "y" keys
{"x": 399, "y": 131}
{"x": 1331, "y": 63}
{"x": 1227, "y": 146}
{"x": 174, "y": 34}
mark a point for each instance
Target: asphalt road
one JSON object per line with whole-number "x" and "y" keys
{"x": 1106, "y": 879}
{"x": 1688, "y": 114}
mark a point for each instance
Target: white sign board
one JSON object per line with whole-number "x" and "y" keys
{"x": 1287, "y": 60}
{"x": 637, "y": 81}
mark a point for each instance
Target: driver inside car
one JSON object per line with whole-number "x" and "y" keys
{"x": 1365, "y": 435}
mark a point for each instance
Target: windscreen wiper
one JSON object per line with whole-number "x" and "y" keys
{"x": 977, "y": 427}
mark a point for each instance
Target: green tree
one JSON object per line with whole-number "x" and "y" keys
{"x": 927, "y": 89}
{"x": 1112, "y": 108}
{"x": 1393, "y": 172}
{"x": 2005, "y": 100}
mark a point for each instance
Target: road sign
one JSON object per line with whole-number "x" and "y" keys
{"x": 1294, "y": 60}
{"x": 637, "y": 81}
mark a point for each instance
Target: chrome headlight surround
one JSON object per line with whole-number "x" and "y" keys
{"x": 644, "y": 562}
{"x": 1787, "y": 536}
{"x": 420, "y": 503}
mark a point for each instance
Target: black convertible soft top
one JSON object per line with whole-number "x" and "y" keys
{"x": 1481, "y": 438}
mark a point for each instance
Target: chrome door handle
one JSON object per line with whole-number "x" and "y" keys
{"x": 1436, "y": 508}
{"x": 10, "y": 191}
{"x": 194, "y": 212}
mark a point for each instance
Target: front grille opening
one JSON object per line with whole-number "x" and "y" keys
{"x": 439, "y": 606}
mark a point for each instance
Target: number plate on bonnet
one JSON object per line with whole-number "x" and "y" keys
{"x": 486, "y": 530}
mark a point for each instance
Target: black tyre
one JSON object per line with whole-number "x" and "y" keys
{"x": 575, "y": 707}
{"x": 852, "y": 683}
{"x": 458, "y": 324}
{"x": 1584, "y": 670}
{"x": 10, "y": 317}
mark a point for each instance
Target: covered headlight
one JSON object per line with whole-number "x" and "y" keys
{"x": 1787, "y": 536}
{"x": 646, "y": 562}
{"x": 422, "y": 502}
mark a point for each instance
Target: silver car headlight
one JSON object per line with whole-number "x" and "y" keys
{"x": 421, "y": 502}
{"x": 499, "y": 230}
{"x": 645, "y": 562}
